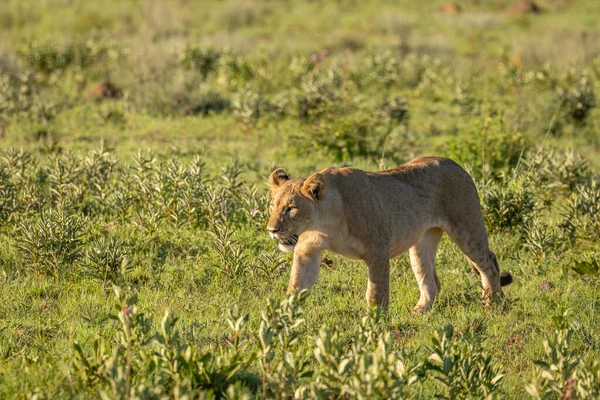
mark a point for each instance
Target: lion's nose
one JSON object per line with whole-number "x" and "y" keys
{"x": 273, "y": 230}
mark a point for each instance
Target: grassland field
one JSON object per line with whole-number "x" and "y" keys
{"x": 135, "y": 142}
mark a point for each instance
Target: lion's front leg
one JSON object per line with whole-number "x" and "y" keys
{"x": 378, "y": 290}
{"x": 305, "y": 268}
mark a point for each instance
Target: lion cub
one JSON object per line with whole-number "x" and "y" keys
{"x": 375, "y": 216}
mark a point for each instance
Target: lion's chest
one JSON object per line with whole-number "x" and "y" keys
{"x": 348, "y": 247}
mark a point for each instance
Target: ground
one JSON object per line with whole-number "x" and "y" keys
{"x": 144, "y": 131}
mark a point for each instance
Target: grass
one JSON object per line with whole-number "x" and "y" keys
{"x": 212, "y": 97}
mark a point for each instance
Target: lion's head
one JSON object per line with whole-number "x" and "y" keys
{"x": 293, "y": 204}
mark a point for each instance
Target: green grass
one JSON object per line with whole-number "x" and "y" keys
{"x": 512, "y": 97}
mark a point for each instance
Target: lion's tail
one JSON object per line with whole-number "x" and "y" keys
{"x": 505, "y": 278}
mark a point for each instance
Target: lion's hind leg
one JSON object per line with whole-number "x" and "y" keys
{"x": 422, "y": 260}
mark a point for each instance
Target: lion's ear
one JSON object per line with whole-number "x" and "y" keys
{"x": 314, "y": 186}
{"x": 278, "y": 178}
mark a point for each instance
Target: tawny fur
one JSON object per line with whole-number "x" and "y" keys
{"x": 375, "y": 216}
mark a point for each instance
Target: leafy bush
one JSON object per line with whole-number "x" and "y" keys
{"x": 52, "y": 244}
{"x": 8, "y": 195}
{"x": 232, "y": 260}
{"x": 542, "y": 239}
{"x": 238, "y": 71}
{"x": 487, "y": 148}
{"x": 204, "y": 60}
{"x": 397, "y": 110}
{"x": 578, "y": 100}
{"x": 202, "y": 104}
{"x": 368, "y": 368}
{"x": 556, "y": 173}
{"x": 319, "y": 95}
{"x": 508, "y": 204}
{"x": 16, "y": 94}
{"x": 383, "y": 69}
{"x": 464, "y": 370}
{"x": 270, "y": 364}
{"x": 581, "y": 213}
{"x": 104, "y": 261}
{"x": 562, "y": 374}
{"x": 248, "y": 106}
{"x": 46, "y": 57}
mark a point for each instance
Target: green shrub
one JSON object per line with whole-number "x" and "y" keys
{"x": 563, "y": 374}
{"x": 319, "y": 95}
{"x": 487, "y": 148}
{"x": 239, "y": 71}
{"x": 104, "y": 260}
{"x": 270, "y": 363}
{"x": 8, "y": 196}
{"x": 383, "y": 69}
{"x": 463, "y": 369}
{"x": 397, "y": 110}
{"x": 202, "y": 104}
{"x": 556, "y": 173}
{"x": 16, "y": 95}
{"x": 248, "y": 106}
{"x": 45, "y": 57}
{"x": 542, "y": 238}
{"x": 52, "y": 244}
{"x": 204, "y": 60}
{"x": 581, "y": 213}
{"x": 508, "y": 204}
{"x": 577, "y": 101}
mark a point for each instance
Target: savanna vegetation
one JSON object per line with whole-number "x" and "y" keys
{"x": 135, "y": 141}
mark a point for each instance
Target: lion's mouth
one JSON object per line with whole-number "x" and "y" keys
{"x": 288, "y": 240}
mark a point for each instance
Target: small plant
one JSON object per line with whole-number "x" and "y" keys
{"x": 581, "y": 213}
{"x": 8, "y": 196}
{"x": 279, "y": 331}
{"x": 104, "y": 261}
{"x": 52, "y": 244}
{"x": 397, "y": 111}
{"x": 233, "y": 261}
{"x": 383, "y": 68}
{"x": 249, "y": 105}
{"x": 507, "y": 205}
{"x": 556, "y": 172}
{"x": 64, "y": 177}
{"x": 541, "y": 238}
{"x": 464, "y": 370}
{"x": 488, "y": 149}
{"x": 318, "y": 95}
{"x": 563, "y": 374}
{"x": 46, "y": 57}
{"x": 367, "y": 368}
{"x": 193, "y": 194}
{"x": 578, "y": 100}
{"x": 204, "y": 60}
{"x": 270, "y": 264}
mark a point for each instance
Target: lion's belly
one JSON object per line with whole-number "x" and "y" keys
{"x": 401, "y": 242}
{"x": 399, "y": 248}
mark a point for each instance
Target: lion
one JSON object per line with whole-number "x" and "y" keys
{"x": 377, "y": 216}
